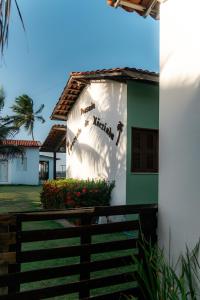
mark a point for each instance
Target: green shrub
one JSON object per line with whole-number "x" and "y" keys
{"x": 159, "y": 279}
{"x": 70, "y": 193}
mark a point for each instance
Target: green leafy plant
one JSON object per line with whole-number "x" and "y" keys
{"x": 71, "y": 193}
{"x": 25, "y": 115}
{"x": 158, "y": 279}
{"x": 6, "y": 131}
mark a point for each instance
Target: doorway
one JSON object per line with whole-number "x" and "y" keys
{"x": 44, "y": 170}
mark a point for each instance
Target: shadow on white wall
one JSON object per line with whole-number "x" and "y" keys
{"x": 95, "y": 154}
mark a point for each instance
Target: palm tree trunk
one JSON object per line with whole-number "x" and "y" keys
{"x": 32, "y": 135}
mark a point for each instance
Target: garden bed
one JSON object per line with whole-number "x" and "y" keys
{"x": 73, "y": 193}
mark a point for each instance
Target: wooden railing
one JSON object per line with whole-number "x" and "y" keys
{"x": 107, "y": 247}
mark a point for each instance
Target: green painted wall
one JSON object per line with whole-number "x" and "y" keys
{"x": 143, "y": 112}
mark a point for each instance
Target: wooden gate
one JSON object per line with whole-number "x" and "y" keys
{"x": 89, "y": 261}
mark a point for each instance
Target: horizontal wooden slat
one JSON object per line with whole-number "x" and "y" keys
{"x": 120, "y": 295}
{"x": 125, "y": 209}
{"x": 8, "y": 257}
{"x": 54, "y": 214}
{"x": 45, "y": 254}
{"x": 60, "y": 233}
{"x": 56, "y": 272}
{"x": 7, "y": 238}
{"x": 97, "y": 211}
{"x": 7, "y": 219}
{"x": 71, "y": 287}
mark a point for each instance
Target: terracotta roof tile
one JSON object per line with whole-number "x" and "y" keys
{"x": 22, "y": 143}
{"x": 78, "y": 81}
{"x": 142, "y": 7}
{"x": 112, "y": 70}
{"x": 56, "y": 139}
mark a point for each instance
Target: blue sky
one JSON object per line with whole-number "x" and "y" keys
{"x": 67, "y": 35}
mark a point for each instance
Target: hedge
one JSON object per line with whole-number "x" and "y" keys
{"x": 70, "y": 193}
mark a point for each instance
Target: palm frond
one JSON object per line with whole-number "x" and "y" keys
{"x": 2, "y": 98}
{"x": 5, "y": 12}
{"x": 39, "y": 110}
{"x": 8, "y": 131}
{"x": 24, "y": 114}
{"x": 40, "y": 118}
{"x": 8, "y": 152}
{"x": 20, "y": 15}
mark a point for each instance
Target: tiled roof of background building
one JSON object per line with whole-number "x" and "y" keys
{"x": 56, "y": 140}
{"x": 22, "y": 143}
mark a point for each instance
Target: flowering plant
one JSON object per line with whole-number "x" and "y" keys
{"x": 71, "y": 193}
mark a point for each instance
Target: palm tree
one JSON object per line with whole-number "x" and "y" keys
{"x": 5, "y": 132}
{"x": 24, "y": 114}
{"x": 5, "y": 10}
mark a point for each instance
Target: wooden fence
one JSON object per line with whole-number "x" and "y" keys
{"x": 104, "y": 268}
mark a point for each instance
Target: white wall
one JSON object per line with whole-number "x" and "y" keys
{"x": 94, "y": 154}
{"x": 179, "y": 186}
{"x": 31, "y": 175}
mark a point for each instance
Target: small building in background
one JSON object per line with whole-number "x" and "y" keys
{"x": 46, "y": 168}
{"x": 21, "y": 170}
{"x": 54, "y": 144}
{"x": 112, "y": 130}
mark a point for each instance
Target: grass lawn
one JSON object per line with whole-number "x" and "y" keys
{"x": 24, "y": 198}
{"x": 19, "y": 198}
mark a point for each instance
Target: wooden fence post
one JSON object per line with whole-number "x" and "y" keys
{"x": 15, "y": 247}
{"x": 3, "y": 264}
{"x": 147, "y": 234}
{"x": 85, "y": 256}
{"x": 148, "y": 224}
{"x": 6, "y": 239}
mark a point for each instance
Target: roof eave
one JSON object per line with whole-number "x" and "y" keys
{"x": 84, "y": 80}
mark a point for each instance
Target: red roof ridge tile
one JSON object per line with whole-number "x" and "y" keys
{"x": 22, "y": 143}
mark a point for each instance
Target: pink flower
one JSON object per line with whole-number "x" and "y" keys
{"x": 78, "y": 194}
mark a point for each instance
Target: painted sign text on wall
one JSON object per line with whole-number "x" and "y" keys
{"x": 87, "y": 109}
{"x": 97, "y": 122}
{"x": 75, "y": 139}
{"x": 103, "y": 126}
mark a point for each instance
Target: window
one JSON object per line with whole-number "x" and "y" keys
{"x": 144, "y": 154}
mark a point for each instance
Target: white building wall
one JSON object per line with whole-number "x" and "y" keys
{"x": 179, "y": 183}
{"x": 94, "y": 154}
{"x": 30, "y": 176}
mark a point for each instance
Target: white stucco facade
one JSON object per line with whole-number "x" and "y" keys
{"x": 92, "y": 135}
{"x": 18, "y": 171}
{"x": 179, "y": 182}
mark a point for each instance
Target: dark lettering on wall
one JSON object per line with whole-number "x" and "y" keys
{"x": 86, "y": 123}
{"x": 87, "y": 109}
{"x": 119, "y": 129}
{"x": 103, "y": 126}
{"x": 75, "y": 139}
